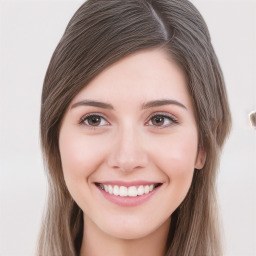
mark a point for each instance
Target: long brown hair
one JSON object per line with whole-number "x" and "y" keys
{"x": 100, "y": 33}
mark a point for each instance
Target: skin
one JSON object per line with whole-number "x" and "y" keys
{"x": 129, "y": 144}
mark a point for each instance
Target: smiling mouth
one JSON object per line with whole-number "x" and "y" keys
{"x": 131, "y": 191}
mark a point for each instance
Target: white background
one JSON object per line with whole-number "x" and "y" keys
{"x": 30, "y": 31}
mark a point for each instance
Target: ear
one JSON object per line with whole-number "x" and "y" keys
{"x": 200, "y": 159}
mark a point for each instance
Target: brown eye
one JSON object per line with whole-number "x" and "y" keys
{"x": 94, "y": 120}
{"x": 162, "y": 121}
{"x": 158, "y": 120}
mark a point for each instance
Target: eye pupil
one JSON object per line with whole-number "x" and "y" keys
{"x": 94, "y": 120}
{"x": 158, "y": 120}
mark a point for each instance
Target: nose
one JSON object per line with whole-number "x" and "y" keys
{"x": 127, "y": 151}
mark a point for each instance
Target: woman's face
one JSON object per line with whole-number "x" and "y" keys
{"x": 128, "y": 144}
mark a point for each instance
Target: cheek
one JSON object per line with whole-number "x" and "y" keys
{"x": 176, "y": 153}
{"x": 80, "y": 157}
{"x": 175, "y": 157}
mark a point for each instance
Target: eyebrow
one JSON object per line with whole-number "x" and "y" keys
{"x": 157, "y": 103}
{"x": 150, "y": 104}
{"x": 92, "y": 103}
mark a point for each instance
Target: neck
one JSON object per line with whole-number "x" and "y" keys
{"x": 96, "y": 242}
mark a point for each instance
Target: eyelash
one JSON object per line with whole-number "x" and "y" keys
{"x": 85, "y": 118}
{"x": 171, "y": 118}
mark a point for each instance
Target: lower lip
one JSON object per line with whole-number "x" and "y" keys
{"x": 127, "y": 201}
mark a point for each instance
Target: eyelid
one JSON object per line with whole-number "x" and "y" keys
{"x": 83, "y": 118}
{"x": 171, "y": 117}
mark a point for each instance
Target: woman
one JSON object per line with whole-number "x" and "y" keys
{"x": 134, "y": 115}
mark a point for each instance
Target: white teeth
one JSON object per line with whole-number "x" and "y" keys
{"x": 110, "y": 189}
{"x": 116, "y": 191}
{"x": 141, "y": 190}
{"x": 131, "y": 191}
{"x": 106, "y": 188}
{"x": 123, "y": 191}
{"x": 147, "y": 189}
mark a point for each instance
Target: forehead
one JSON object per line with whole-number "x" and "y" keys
{"x": 142, "y": 76}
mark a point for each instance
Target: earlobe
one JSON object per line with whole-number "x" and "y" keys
{"x": 200, "y": 159}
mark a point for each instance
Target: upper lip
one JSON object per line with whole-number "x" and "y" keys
{"x": 128, "y": 183}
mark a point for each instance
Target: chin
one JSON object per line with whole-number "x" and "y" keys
{"x": 130, "y": 229}
{"x": 130, "y": 234}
